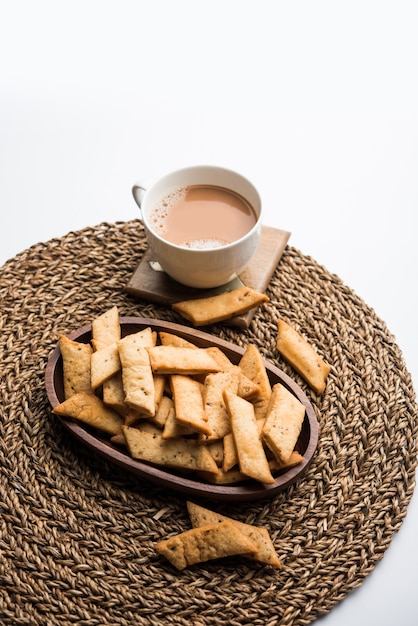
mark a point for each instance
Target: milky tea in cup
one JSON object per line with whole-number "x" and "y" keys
{"x": 202, "y": 216}
{"x": 202, "y": 223}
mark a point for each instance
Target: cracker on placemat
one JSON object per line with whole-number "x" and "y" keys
{"x": 302, "y": 356}
{"x": 213, "y": 541}
{"x": 265, "y": 553}
{"x": 213, "y": 309}
{"x": 76, "y": 359}
{"x": 86, "y": 407}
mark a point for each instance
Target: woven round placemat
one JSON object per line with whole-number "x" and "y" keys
{"x": 77, "y": 535}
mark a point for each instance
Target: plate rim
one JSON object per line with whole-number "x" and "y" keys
{"x": 163, "y": 477}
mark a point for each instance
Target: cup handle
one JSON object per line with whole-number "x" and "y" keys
{"x": 138, "y": 192}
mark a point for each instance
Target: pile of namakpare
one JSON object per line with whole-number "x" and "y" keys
{"x": 174, "y": 404}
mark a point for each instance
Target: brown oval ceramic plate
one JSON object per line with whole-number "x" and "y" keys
{"x": 245, "y": 491}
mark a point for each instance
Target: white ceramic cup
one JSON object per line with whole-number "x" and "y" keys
{"x": 200, "y": 268}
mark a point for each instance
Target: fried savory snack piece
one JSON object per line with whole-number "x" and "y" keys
{"x": 220, "y": 357}
{"x": 301, "y": 356}
{"x": 106, "y": 333}
{"x": 173, "y": 428}
{"x": 76, "y": 359}
{"x": 295, "y": 459}
{"x": 180, "y": 360}
{"x": 253, "y": 366}
{"x": 216, "y": 448}
{"x": 283, "y": 423}
{"x": 164, "y": 407}
{"x": 230, "y": 453}
{"x": 144, "y": 338}
{"x": 114, "y": 394}
{"x": 188, "y": 403}
{"x": 86, "y": 407}
{"x": 178, "y": 453}
{"x": 213, "y": 309}
{"x": 231, "y": 477}
{"x": 105, "y": 363}
{"x": 105, "y": 329}
{"x": 213, "y": 541}
{"x": 137, "y": 378}
{"x": 266, "y": 553}
{"x": 170, "y": 339}
{"x": 247, "y": 388}
{"x": 252, "y": 459}
{"x": 214, "y": 404}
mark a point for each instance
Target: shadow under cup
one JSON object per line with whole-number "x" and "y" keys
{"x": 200, "y": 268}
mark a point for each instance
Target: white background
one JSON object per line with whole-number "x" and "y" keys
{"x": 316, "y": 102}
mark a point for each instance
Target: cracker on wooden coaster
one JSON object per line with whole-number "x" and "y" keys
{"x": 213, "y": 309}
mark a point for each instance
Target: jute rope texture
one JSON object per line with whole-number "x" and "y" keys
{"x": 77, "y": 536}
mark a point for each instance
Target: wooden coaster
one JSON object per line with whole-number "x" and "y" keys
{"x": 150, "y": 283}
